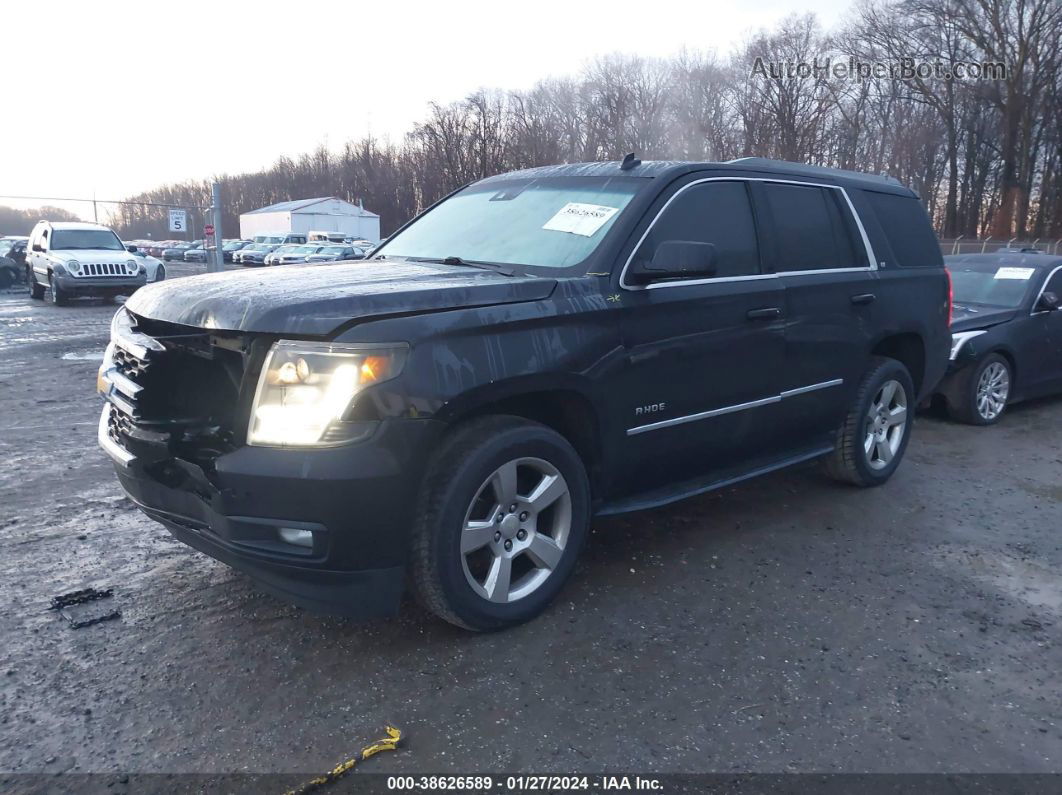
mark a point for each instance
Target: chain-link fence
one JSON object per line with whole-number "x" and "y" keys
{"x": 973, "y": 245}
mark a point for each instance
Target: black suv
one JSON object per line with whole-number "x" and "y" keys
{"x": 537, "y": 349}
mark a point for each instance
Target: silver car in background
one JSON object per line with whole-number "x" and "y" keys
{"x": 336, "y": 254}
{"x": 255, "y": 254}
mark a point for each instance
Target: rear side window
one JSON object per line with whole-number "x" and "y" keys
{"x": 810, "y": 229}
{"x": 906, "y": 226}
{"x": 713, "y": 212}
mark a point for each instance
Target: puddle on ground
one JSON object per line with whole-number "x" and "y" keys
{"x": 83, "y": 356}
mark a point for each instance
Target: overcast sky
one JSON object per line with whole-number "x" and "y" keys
{"x": 113, "y": 98}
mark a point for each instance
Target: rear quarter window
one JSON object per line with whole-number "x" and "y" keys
{"x": 906, "y": 227}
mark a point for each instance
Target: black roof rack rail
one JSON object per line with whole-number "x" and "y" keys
{"x": 799, "y": 168}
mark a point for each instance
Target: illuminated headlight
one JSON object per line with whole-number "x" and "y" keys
{"x": 306, "y": 388}
{"x": 73, "y": 267}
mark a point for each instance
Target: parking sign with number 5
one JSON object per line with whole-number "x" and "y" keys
{"x": 177, "y": 220}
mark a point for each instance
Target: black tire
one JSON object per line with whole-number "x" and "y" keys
{"x": 59, "y": 296}
{"x": 850, "y": 462}
{"x": 455, "y": 476}
{"x": 7, "y": 278}
{"x": 962, "y": 398}
{"x": 36, "y": 289}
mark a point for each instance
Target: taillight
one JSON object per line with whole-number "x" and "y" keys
{"x": 951, "y": 296}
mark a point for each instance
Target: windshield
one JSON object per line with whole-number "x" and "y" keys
{"x": 69, "y": 239}
{"x": 231, "y": 246}
{"x": 333, "y": 250}
{"x": 5, "y": 246}
{"x": 990, "y": 284}
{"x": 304, "y": 250}
{"x": 551, "y": 222}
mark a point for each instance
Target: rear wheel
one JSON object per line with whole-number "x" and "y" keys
{"x": 503, "y": 512}
{"x": 36, "y": 289}
{"x": 875, "y": 433}
{"x": 981, "y": 395}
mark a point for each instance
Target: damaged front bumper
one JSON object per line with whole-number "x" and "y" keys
{"x": 326, "y": 529}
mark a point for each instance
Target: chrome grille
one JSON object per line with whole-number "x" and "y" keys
{"x": 129, "y": 365}
{"x": 119, "y": 425}
{"x": 103, "y": 269}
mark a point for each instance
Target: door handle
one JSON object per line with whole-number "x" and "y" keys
{"x": 761, "y": 314}
{"x": 863, "y": 298}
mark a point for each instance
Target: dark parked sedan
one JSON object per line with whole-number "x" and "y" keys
{"x": 232, "y": 247}
{"x": 1006, "y": 333}
{"x": 176, "y": 252}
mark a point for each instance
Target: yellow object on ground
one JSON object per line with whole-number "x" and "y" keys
{"x": 389, "y": 743}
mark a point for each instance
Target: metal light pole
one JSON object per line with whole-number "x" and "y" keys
{"x": 217, "y": 262}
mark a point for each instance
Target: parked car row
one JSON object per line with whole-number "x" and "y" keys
{"x": 316, "y": 251}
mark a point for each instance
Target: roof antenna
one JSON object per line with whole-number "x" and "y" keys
{"x": 629, "y": 162}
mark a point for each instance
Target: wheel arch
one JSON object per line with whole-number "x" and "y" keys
{"x": 563, "y": 406}
{"x": 909, "y": 349}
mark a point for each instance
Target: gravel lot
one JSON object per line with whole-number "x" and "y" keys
{"x": 788, "y": 624}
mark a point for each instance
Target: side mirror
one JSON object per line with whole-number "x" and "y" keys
{"x": 38, "y": 247}
{"x": 676, "y": 259}
{"x": 131, "y": 249}
{"x": 1048, "y": 302}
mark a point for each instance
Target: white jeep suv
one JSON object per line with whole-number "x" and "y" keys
{"x": 78, "y": 259}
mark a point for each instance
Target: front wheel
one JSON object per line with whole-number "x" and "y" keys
{"x": 59, "y": 297}
{"x": 876, "y": 430}
{"x": 7, "y": 278}
{"x": 504, "y": 510}
{"x": 982, "y": 392}
{"x": 36, "y": 289}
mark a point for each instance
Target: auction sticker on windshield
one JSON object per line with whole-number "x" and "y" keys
{"x": 580, "y": 219}
{"x": 1022, "y": 274}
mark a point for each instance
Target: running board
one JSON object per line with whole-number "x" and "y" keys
{"x": 691, "y": 488}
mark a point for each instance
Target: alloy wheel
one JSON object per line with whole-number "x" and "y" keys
{"x": 886, "y": 424}
{"x": 993, "y": 388}
{"x": 516, "y": 529}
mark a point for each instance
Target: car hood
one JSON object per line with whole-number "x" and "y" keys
{"x": 317, "y": 301}
{"x": 93, "y": 255}
{"x": 967, "y": 317}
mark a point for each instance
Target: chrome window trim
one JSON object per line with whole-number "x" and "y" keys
{"x": 802, "y": 390}
{"x": 1043, "y": 288}
{"x": 871, "y": 259}
{"x": 704, "y": 415}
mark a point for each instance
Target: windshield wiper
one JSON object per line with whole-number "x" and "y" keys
{"x": 487, "y": 266}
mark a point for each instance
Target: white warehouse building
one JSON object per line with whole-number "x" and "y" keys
{"x": 323, "y": 214}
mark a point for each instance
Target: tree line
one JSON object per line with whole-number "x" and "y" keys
{"x": 984, "y": 154}
{"x": 20, "y": 222}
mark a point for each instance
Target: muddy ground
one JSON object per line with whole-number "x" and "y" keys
{"x": 789, "y": 624}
